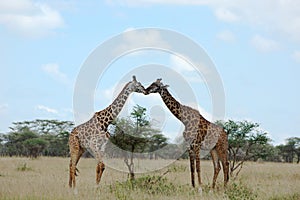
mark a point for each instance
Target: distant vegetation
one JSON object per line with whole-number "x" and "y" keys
{"x": 135, "y": 134}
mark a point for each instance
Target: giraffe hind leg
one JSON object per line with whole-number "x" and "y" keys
{"x": 217, "y": 166}
{"x": 99, "y": 171}
{"x": 81, "y": 151}
{"x": 225, "y": 164}
{"x": 76, "y": 152}
{"x": 222, "y": 151}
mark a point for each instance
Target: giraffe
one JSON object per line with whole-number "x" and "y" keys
{"x": 93, "y": 135}
{"x": 199, "y": 133}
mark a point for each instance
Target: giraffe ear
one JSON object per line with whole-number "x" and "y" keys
{"x": 158, "y": 80}
{"x": 165, "y": 86}
{"x": 134, "y": 78}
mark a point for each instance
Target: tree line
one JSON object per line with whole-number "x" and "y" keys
{"x": 135, "y": 134}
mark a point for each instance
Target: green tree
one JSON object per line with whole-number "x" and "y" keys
{"x": 44, "y": 126}
{"x": 246, "y": 142}
{"x": 2, "y": 149}
{"x": 157, "y": 141}
{"x": 133, "y": 135}
{"x": 35, "y": 146}
{"x": 37, "y": 137}
{"x": 290, "y": 150}
{"x": 15, "y": 141}
{"x": 57, "y": 144}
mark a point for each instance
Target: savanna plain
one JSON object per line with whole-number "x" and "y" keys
{"x": 47, "y": 178}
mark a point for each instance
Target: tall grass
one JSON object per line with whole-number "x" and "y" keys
{"x": 47, "y": 178}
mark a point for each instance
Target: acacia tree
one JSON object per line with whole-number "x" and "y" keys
{"x": 44, "y": 126}
{"x": 37, "y": 137}
{"x": 133, "y": 135}
{"x": 290, "y": 150}
{"x": 246, "y": 142}
{"x": 35, "y": 146}
{"x": 157, "y": 141}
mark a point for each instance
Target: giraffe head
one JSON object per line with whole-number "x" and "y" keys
{"x": 136, "y": 86}
{"x": 156, "y": 87}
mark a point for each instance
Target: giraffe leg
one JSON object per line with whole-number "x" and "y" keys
{"x": 217, "y": 166}
{"x": 81, "y": 151}
{"x": 75, "y": 153}
{"x": 225, "y": 164}
{"x": 198, "y": 169}
{"x": 222, "y": 151}
{"x": 98, "y": 148}
{"x": 99, "y": 171}
{"x": 100, "y": 166}
{"x": 192, "y": 166}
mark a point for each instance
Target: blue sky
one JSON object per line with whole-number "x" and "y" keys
{"x": 255, "y": 46}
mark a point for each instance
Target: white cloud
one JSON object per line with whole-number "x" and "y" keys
{"x": 296, "y": 56}
{"x": 3, "y": 108}
{"x": 186, "y": 69}
{"x": 180, "y": 65}
{"x": 53, "y": 70}
{"x": 226, "y": 15}
{"x": 46, "y": 109}
{"x": 152, "y": 2}
{"x": 29, "y": 18}
{"x": 263, "y": 44}
{"x": 226, "y": 36}
{"x": 277, "y": 16}
{"x": 140, "y": 38}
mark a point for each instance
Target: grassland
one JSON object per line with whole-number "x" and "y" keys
{"x": 47, "y": 178}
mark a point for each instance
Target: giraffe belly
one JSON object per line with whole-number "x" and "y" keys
{"x": 210, "y": 140}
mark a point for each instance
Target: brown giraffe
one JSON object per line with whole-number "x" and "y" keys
{"x": 93, "y": 135}
{"x": 199, "y": 133}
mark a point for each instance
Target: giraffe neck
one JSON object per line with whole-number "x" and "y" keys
{"x": 112, "y": 111}
{"x": 120, "y": 101}
{"x": 174, "y": 106}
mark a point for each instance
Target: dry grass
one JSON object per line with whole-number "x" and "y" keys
{"x": 47, "y": 178}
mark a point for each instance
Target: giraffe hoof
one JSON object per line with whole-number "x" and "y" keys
{"x": 200, "y": 190}
{"x": 75, "y": 191}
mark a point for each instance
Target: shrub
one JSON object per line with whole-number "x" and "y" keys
{"x": 239, "y": 191}
{"x": 23, "y": 167}
{"x": 151, "y": 185}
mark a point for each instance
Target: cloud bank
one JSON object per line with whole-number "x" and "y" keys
{"x": 29, "y": 18}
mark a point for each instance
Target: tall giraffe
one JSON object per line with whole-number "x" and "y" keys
{"x": 199, "y": 133}
{"x": 93, "y": 135}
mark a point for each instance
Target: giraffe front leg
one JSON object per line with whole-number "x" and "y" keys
{"x": 98, "y": 149}
{"x": 192, "y": 166}
{"x": 198, "y": 169}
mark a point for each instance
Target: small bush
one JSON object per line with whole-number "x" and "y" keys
{"x": 151, "y": 185}
{"x": 177, "y": 168}
{"x": 239, "y": 191}
{"x": 23, "y": 167}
